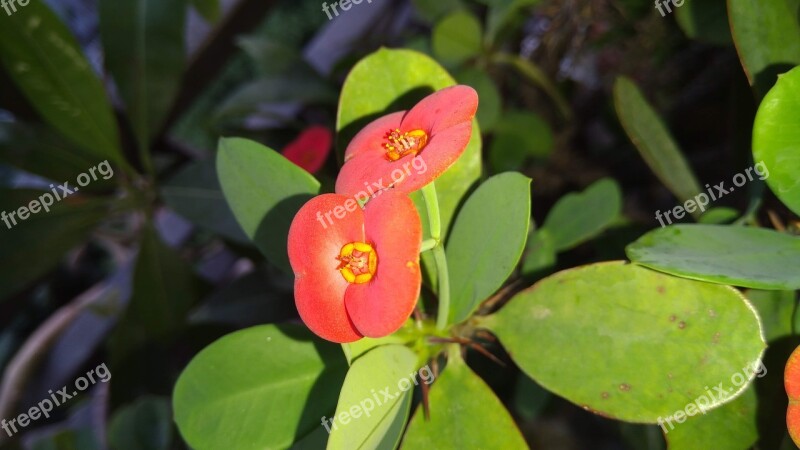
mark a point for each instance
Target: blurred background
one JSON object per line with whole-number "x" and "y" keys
{"x": 85, "y": 284}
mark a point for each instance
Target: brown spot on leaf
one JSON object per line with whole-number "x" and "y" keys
{"x": 661, "y": 289}
{"x": 715, "y": 339}
{"x": 625, "y": 387}
{"x": 672, "y": 318}
{"x": 604, "y": 395}
{"x": 681, "y": 324}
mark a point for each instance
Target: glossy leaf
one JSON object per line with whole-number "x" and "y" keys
{"x": 464, "y": 414}
{"x": 196, "y": 194}
{"x": 520, "y": 135}
{"x": 30, "y": 248}
{"x": 776, "y": 310}
{"x": 729, "y": 427}
{"x": 264, "y": 191}
{"x": 767, "y": 37}
{"x": 143, "y": 425}
{"x": 490, "y": 103}
{"x": 457, "y": 37}
{"x": 500, "y": 14}
{"x": 39, "y": 150}
{"x": 434, "y": 10}
{"x": 643, "y": 334}
{"x": 578, "y": 217}
{"x": 164, "y": 289}
{"x": 43, "y": 58}
{"x": 144, "y": 51}
{"x": 392, "y": 80}
{"x": 262, "y": 387}
{"x": 776, "y": 139}
{"x": 706, "y": 21}
{"x": 487, "y": 240}
{"x": 365, "y": 418}
{"x": 719, "y": 215}
{"x": 540, "y": 253}
{"x": 650, "y": 136}
{"x": 748, "y": 257}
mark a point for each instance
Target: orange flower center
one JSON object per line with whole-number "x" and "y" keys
{"x": 358, "y": 262}
{"x": 401, "y": 144}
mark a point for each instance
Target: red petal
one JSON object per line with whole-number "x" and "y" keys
{"x": 373, "y": 136}
{"x": 316, "y": 237}
{"x": 443, "y": 109}
{"x": 310, "y": 149}
{"x": 393, "y": 227}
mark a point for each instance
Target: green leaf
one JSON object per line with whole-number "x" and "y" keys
{"x": 164, "y": 289}
{"x": 196, "y": 194}
{"x": 298, "y": 87}
{"x": 143, "y": 425}
{"x": 31, "y": 248}
{"x": 209, "y": 9}
{"x": 44, "y": 60}
{"x": 729, "y": 427}
{"x": 767, "y": 37}
{"x": 144, "y": 51}
{"x": 490, "y": 103}
{"x": 392, "y": 80}
{"x": 457, "y": 37}
{"x": 776, "y": 310}
{"x": 520, "y": 135}
{"x": 82, "y": 439}
{"x": 749, "y": 257}
{"x": 720, "y": 215}
{"x": 705, "y": 21}
{"x": 628, "y": 342}
{"x": 501, "y": 12}
{"x": 776, "y": 139}
{"x": 654, "y": 142}
{"x": 464, "y": 414}
{"x": 365, "y": 418}
{"x": 487, "y": 240}
{"x": 39, "y": 150}
{"x": 540, "y": 253}
{"x": 433, "y": 10}
{"x": 576, "y": 218}
{"x": 265, "y": 191}
{"x": 262, "y": 387}
{"x": 356, "y": 349}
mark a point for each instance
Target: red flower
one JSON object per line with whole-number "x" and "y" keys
{"x": 407, "y": 150}
{"x": 356, "y": 271}
{"x": 310, "y": 149}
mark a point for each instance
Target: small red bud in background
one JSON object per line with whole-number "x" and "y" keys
{"x": 310, "y": 149}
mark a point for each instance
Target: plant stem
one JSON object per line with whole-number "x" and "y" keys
{"x": 428, "y": 244}
{"x": 442, "y": 274}
{"x": 444, "y": 286}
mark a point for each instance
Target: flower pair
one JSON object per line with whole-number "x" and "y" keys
{"x": 357, "y": 267}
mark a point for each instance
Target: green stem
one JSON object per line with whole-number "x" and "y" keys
{"x": 444, "y": 286}
{"x": 443, "y": 276}
{"x": 428, "y": 244}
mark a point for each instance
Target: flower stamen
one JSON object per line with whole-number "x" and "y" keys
{"x": 402, "y": 144}
{"x": 358, "y": 262}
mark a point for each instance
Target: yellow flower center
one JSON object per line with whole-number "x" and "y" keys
{"x": 358, "y": 262}
{"x": 401, "y": 144}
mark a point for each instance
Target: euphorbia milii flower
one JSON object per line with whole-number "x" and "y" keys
{"x": 407, "y": 150}
{"x": 356, "y": 270}
{"x": 310, "y": 149}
